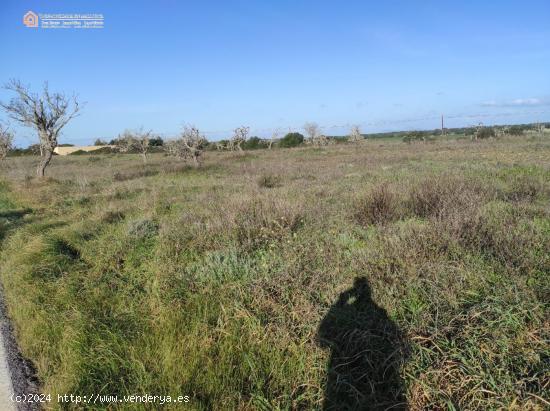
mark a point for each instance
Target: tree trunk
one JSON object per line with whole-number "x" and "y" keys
{"x": 44, "y": 161}
{"x": 144, "y": 155}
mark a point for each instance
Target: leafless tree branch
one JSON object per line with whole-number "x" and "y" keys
{"x": 135, "y": 140}
{"x": 240, "y": 135}
{"x": 6, "y": 139}
{"x": 355, "y": 135}
{"x": 47, "y": 113}
{"x": 189, "y": 145}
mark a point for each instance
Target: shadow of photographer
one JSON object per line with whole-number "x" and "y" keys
{"x": 367, "y": 351}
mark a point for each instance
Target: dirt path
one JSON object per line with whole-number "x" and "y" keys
{"x": 6, "y": 389}
{"x": 17, "y": 375}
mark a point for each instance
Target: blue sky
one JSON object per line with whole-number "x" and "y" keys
{"x": 386, "y": 65}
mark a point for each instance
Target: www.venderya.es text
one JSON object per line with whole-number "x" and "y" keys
{"x": 100, "y": 399}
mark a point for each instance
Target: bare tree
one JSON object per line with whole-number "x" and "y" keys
{"x": 124, "y": 142}
{"x": 190, "y": 145}
{"x": 274, "y": 136}
{"x": 355, "y": 135}
{"x": 6, "y": 139}
{"x": 136, "y": 140}
{"x": 220, "y": 146}
{"x": 312, "y": 131}
{"x": 240, "y": 135}
{"x": 47, "y": 113}
{"x": 322, "y": 140}
{"x": 142, "y": 145}
{"x": 314, "y": 136}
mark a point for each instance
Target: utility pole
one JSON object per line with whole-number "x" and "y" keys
{"x": 442, "y": 126}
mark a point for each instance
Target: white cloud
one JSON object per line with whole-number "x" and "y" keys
{"x": 518, "y": 102}
{"x": 527, "y": 102}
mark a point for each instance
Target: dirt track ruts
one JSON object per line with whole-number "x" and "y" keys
{"x": 20, "y": 373}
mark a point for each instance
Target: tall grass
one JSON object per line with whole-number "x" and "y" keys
{"x": 365, "y": 277}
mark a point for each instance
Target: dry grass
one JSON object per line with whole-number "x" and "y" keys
{"x": 350, "y": 277}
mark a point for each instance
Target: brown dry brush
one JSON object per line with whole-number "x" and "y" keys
{"x": 462, "y": 216}
{"x": 260, "y": 224}
{"x": 456, "y": 264}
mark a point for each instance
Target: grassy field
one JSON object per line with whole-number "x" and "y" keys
{"x": 353, "y": 276}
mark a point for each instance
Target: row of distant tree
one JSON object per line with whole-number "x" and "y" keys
{"x": 480, "y": 130}
{"x": 253, "y": 143}
{"x": 47, "y": 113}
{"x": 295, "y": 139}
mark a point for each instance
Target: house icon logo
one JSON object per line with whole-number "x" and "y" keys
{"x": 30, "y": 19}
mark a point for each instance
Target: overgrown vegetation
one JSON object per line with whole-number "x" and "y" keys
{"x": 291, "y": 140}
{"x": 348, "y": 277}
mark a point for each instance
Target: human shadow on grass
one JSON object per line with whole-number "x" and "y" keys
{"x": 367, "y": 351}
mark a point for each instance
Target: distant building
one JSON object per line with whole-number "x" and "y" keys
{"x": 63, "y": 151}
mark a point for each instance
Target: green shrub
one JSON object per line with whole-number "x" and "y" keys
{"x": 156, "y": 142}
{"x": 254, "y": 143}
{"x": 515, "y": 131}
{"x": 486, "y": 132}
{"x": 291, "y": 140}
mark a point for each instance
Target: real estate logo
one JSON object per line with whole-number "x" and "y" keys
{"x": 63, "y": 20}
{"x": 30, "y": 19}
